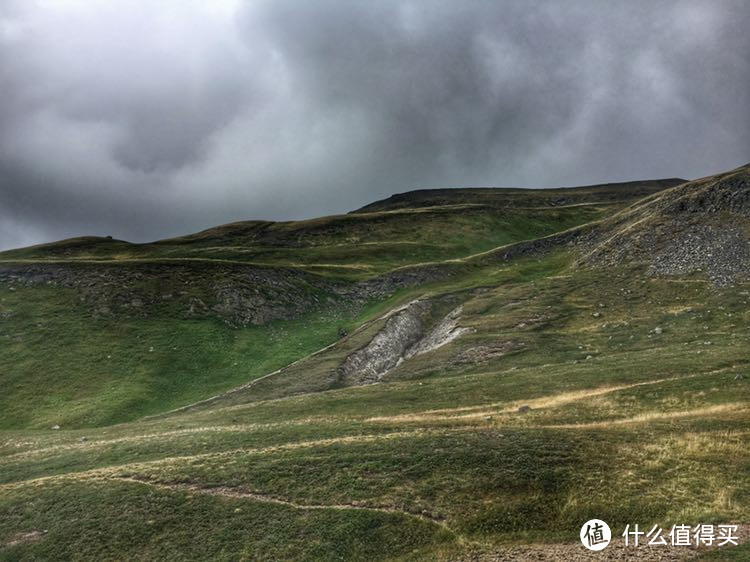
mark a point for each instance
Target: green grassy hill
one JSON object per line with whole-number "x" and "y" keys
{"x": 99, "y": 331}
{"x": 456, "y": 401}
{"x": 377, "y": 238}
{"x": 508, "y": 198}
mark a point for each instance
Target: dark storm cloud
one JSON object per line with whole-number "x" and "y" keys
{"x": 147, "y": 119}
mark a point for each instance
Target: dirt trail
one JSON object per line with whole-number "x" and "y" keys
{"x": 236, "y": 493}
{"x": 478, "y": 411}
{"x": 145, "y": 437}
{"x": 460, "y": 413}
{"x": 651, "y": 416}
{"x": 115, "y": 470}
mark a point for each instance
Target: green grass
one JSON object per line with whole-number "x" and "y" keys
{"x": 647, "y": 430}
{"x": 62, "y": 365}
{"x": 164, "y": 525}
{"x": 626, "y": 423}
{"x": 102, "y": 368}
{"x": 347, "y": 246}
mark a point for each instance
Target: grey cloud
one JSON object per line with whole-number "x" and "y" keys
{"x": 148, "y": 122}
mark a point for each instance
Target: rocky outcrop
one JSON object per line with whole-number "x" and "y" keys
{"x": 240, "y": 295}
{"x": 388, "y": 283}
{"x": 443, "y": 333}
{"x": 721, "y": 252}
{"x": 401, "y": 331}
{"x": 403, "y": 336}
{"x": 698, "y": 227}
{"x": 542, "y": 245}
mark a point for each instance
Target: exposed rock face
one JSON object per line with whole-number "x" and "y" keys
{"x": 728, "y": 192}
{"x": 401, "y": 331}
{"x": 723, "y": 253}
{"x": 239, "y": 294}
{"x": 542, "y": 245}
{"x": 443, "y": 333}
{"x": 388, "y": 283}
{"x": 697, "y": 227}
{"x": 404, "y": 336}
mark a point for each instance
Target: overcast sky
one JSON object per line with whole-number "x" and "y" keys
{"x": 144, "y": 119}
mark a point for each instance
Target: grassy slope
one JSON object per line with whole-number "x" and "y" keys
{"x": 513, "y": 197}
{"x": 408, "y": 228}
{"x": 63, "y": 363}
{"x": 350, "y": 246}
{"x": 651, "y": 428}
